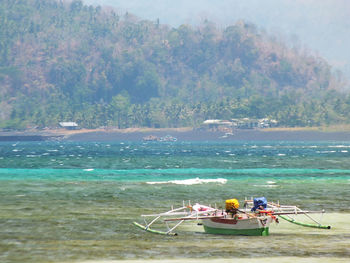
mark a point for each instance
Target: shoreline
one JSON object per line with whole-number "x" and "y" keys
{"x": 182, "y": 134}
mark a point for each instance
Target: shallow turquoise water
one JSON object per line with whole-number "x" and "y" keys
{"x": 68, "y": 201}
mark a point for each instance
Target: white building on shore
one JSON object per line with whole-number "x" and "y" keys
{"x": 242, "y": 123}
{"x": 70, "y": 125}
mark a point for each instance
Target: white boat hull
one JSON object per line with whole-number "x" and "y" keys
{"x": 253, "y": 226}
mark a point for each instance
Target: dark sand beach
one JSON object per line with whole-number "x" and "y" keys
{"x": 185, "y": 134}
{"x": 193, "y": 135}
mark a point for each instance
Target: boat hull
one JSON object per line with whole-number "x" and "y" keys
{"x": 238, "y": 232}
{"x": 257, "y": 226}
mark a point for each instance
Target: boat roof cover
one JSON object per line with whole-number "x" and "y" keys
{"x": 259, "y": 201}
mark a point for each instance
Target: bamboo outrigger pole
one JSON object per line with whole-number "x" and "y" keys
{"x": 293, "y": 221}
{"x": 154, "y": 231}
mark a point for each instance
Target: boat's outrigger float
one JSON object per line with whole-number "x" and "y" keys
{"x": 253, "y": 220}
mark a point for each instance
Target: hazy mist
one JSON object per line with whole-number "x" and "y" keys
{"x": 320, "y": 26}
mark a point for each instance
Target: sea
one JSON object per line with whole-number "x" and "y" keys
{"x": 69, "y": 201}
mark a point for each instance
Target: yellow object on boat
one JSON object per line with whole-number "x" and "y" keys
{"x": 232, "y": 204}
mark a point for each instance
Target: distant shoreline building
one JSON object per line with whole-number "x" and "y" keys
{"x": 243, "y": 123}
{"x": 70, "y": 125}
{"x": 218, "y": 125}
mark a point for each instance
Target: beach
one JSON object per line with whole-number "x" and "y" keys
{"x": 198, "y": 135}
{"x": 182, "y": 134}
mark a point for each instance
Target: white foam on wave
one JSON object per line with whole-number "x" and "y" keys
{"x": 192, "y": 181}
{"x": 88, "y": 170}
{"x": 266, "y": 185}
{"x": 269, "y": 184}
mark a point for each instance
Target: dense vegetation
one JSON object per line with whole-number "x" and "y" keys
{"x": 65, "y": 61}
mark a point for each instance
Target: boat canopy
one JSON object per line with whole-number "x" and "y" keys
{"x": 259, "y": 202}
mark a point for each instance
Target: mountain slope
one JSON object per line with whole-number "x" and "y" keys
{"x": 68, "y": 61}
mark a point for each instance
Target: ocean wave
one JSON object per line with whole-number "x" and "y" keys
{"x": 192, "y": 181}
{"x": 339, "y": 146}
{"x": 165, "y": 175}
{"x": 266, "y": 185}
{"x": 195, "y": 172}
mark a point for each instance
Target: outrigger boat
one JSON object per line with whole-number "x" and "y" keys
{"x": 253, "y": 220}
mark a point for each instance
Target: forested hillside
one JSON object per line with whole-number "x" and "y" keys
{"x": 65, "y": 61}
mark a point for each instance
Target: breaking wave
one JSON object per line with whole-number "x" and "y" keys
{"x": 192, "y": 181}
{"x": 179, "y": 175}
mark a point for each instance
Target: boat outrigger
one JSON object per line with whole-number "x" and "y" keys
{"x": 253, "y": 220}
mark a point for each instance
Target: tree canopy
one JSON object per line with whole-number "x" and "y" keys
{"x": 66, "y": 61}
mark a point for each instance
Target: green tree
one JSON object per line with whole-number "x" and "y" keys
{"x": 120, "y": 105}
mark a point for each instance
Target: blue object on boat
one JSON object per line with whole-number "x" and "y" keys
{"x": 259, "y": 202}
